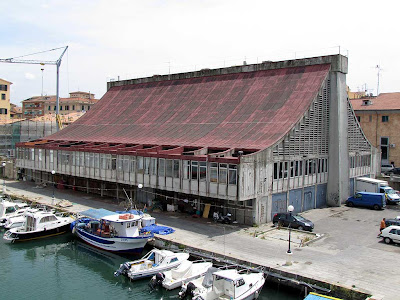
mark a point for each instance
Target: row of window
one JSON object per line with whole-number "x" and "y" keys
{"x": 385, "y": 119}
{"x": 3, "y": 87}
{"x": 360, "y": 161}
{"x": 3, "y": 111}
{"x": 193, "y": 170}
{"x": 66, "y": 107}
{"x": 285, "y": 169}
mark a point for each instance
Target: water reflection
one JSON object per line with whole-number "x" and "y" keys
{"x": 63, "y": 267}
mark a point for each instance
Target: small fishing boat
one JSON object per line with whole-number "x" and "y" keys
{"x": 153, "y": 262}
{"x": 39, "y": 224}
{"x": 112, "y": 231}
{"x": 231, "y": 284}
{"x": 186, "y": 271}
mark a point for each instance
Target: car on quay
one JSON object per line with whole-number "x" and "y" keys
{"x": 395, "y": 221}
{"x": 386, "y": 167}
{"x": 294, "y": 220}
{"x": 391, "y": 234}
{"x": 394, "y": 171}
{"x": 372, "y": 200}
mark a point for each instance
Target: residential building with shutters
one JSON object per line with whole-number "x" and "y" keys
{"x": 42, "y": 105}
{"x": 249, "y": 140}
{"x": 5, "y": 99}
{"x": 379, "y": 118}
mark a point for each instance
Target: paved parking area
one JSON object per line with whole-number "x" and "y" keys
{"x": 349, "y": 253}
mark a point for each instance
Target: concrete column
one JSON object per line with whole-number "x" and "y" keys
{"x": 87, "y": 186}
{"x": 260, "y": 209}
{"x": 338, "y": 177}
{"x": 101, "y": 189}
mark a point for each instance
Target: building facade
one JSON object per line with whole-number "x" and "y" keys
{"x": 249, "y": 139}
{"x": 42, "y": 105}
{"x": 379, "y": 118}
{"x": 5, "y": 99}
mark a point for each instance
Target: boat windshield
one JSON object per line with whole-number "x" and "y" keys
{"x": 149, "y": 256}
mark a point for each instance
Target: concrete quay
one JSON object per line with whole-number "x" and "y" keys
{"x": 348, "y": 256}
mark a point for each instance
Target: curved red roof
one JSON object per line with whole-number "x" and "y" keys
{"x": 242, "y": 110}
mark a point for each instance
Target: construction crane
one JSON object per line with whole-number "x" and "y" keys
{"x": 16, "y": 60}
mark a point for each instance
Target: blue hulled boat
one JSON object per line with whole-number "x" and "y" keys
{"x": 112, "y": 231}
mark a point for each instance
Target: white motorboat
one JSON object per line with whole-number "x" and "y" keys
{"x": 201, "y": 284}
{"x": 39, "y": 224}
{"x": 14, "y": 221}
{"x": 186, "y": 271}
{"x": 112, "y": 231}
{"x": 20, "y": 218}
{"x": 154, "y": 262}
{"x": 231, "y": 284}
{"x": 9, "y": 208}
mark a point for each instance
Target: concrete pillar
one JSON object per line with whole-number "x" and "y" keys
{"x": 87, "y": 186}
{"x": 260, "y": 210}
{"x": 338, "y": 177}
{"x": 117, "y": 191}
{"x": 101, "y": 189}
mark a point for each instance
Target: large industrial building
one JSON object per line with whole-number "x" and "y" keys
{"x": 248, "y": 139}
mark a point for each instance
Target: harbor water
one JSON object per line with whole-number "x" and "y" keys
{"x": 65, "y": 268}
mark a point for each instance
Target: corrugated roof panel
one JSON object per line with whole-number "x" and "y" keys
{"x": 241, "y": 110}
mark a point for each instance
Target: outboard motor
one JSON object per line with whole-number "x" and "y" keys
{"x": 157, "y": 280}
{"x": 187, "y": 291}
{"x": 122, "y": 269}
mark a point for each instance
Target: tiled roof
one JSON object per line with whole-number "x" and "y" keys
{"x": 385, "y": 101}
{"x": 249, "y": 110}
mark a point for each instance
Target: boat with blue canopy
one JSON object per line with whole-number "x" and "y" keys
{"x": 120, "y": 232}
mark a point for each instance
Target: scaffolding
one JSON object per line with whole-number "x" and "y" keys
{"x": 23, "y": 131}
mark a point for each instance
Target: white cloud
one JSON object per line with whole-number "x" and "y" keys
{"x": 30, "y": 76}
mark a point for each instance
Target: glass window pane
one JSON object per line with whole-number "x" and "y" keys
{"x": 168, "y": 168}
{"x": 146, "y": 165}
{"x": 140, "y": 166}
{"x": 161, "y": 168}
{"x": 232, "y": 174}
{"x": 153, "y": 166}
{"x": 194, "y": 170}
{"x": 176, "y": 168}
{"x": 222, "y": 173}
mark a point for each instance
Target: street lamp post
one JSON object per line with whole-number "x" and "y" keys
{"x": 4, "y": 177}
{"x": 289, "y": 252}
{"x": 53, "y": 198}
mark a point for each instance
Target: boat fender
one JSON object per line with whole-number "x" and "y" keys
{"x": 73, "y": 230}
{"x": 256, "y": 294}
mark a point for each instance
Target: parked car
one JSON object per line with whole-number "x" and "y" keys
{"x": 373, "y": 200}
{"x": 294, "y": 220}
{"x": 395, "y": 221}
{"x": 395, "y": 171}
{"x": 391, "y": 234}
{"x": 386, "y": 167}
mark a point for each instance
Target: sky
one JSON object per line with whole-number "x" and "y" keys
{"x": 128, "y": 39}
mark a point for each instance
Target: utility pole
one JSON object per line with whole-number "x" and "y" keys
{"x": 38, "y": 62}
{"x": 377, "y": 88}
